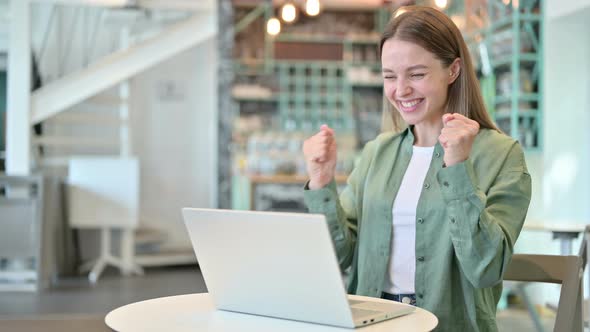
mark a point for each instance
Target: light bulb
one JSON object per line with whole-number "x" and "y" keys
{"x": 273, "y": 26}
{"x": 442, "y": 4}
{"x": 289, "y": 13}
{"x": 312, "y": 7}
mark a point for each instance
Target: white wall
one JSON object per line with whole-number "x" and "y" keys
{"x": 175, "y": 138}
{"x": 560, "y": 8}
{"x": 567, "y": 116}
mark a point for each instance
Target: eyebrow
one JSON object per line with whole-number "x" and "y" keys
{"x": 387, "y": 70}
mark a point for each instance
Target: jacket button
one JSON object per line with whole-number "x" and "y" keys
{"x": 420, "y": 220}
{"x": 426, "y": 185}
{"x": 446, "y": 184}
{"x": 326, "y": 200}
{"x": 421, "y": 258}
{"x": 453, "y": 220}
{"x": 437, "y": 154}
{"x": 420, "y": 295}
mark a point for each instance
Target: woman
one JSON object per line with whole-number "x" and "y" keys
{"x": 431, "y": 213}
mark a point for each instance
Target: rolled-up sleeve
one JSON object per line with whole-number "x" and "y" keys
{"x": 485, "y": 226}
{"x": 341, "y": 211}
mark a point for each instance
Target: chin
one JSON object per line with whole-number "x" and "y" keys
{"x": 411, "y": 119}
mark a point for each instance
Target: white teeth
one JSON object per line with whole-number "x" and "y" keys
{"x": 411, "y": 103}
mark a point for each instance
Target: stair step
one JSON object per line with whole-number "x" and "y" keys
{"x": 63, "y": 161}
{"x": 61, "y": 141}
{"x": 90, "y": 118}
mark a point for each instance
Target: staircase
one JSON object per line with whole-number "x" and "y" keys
{"x": 86, "y": 110}
{"x": 83, "y": 105}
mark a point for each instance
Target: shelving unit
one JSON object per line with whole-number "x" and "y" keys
{"x": 318, "y": 70}
{"x": 327, "y": 83}
{"x": 505, "y": 38}
{"x": 313, "y": 93}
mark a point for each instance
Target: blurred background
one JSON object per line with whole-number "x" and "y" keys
{"x": 115, "y": 114}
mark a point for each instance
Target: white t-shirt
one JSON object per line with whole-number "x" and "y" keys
{"x": 399, "y": 277}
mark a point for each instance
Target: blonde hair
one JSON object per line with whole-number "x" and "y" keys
{"x": 436, "y": 33}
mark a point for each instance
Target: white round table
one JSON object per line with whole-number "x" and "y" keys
{"x": 196, "y": 312}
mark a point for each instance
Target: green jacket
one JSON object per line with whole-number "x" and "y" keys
{"x": 468, "y": 218}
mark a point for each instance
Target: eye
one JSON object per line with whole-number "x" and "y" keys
{"x": 389, "y": 77}
{"x": 417, "y": 75}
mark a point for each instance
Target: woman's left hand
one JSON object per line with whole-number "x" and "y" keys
{"x": 457, "y": 137}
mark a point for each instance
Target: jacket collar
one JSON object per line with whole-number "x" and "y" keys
{"x": 408, "y": 142}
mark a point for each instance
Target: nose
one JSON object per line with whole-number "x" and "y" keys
{"x": 403, "y": 88}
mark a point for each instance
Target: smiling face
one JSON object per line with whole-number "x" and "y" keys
{"x": 415, "y": 83}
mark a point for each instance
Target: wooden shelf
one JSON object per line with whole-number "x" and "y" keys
{"x": 256, "y": 180}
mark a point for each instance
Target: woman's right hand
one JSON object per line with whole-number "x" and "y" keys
{"x": 320, "y": 157}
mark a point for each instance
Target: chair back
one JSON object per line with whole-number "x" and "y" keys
{"x": 564, "y": 270}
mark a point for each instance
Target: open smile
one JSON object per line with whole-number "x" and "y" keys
{"x": 409, "y": 105}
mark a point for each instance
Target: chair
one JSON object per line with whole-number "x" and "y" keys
{"x": 565, "y": 270}
{"x": 103, "y": 193}
{"x": 21, "y": 238}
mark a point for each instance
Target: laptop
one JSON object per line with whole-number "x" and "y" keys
{"x": 280, "y": 265}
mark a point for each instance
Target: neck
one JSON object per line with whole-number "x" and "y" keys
{"x": 427, "y": 134}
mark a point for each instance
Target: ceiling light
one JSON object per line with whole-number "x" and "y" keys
{"x": 273, "y": 26}
{"x": 289, "y": 12}
{"x": 312, "y": 7}
{"x": 442, "y": 4}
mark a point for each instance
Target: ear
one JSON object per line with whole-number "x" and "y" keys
{"x": 454, "y": 70}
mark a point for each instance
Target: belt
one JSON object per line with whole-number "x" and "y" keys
{"x": 403, "y": 298}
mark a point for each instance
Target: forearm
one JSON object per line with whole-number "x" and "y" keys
{"x": 326, "y": 201}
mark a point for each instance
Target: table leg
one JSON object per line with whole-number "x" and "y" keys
{"x": 565, "y": 241}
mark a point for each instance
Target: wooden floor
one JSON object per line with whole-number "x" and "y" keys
{"x": 75, "y": 305}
